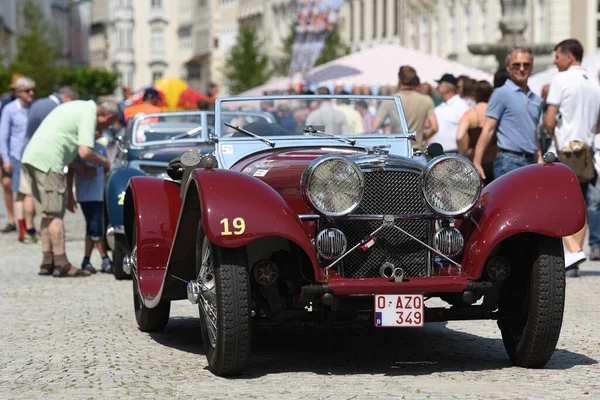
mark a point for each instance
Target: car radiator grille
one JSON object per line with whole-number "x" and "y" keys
{"x": 387, "y": 192}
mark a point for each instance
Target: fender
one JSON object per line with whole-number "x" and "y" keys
{"x": 541, "y": 198}
{"x": 238, "y": 209}
{"x": 235, "y": 210}
{"x": 157, "y": 206}
{"x": 115, "y": 191}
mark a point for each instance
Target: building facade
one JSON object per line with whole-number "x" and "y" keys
{"x": 191, "y": 39}
{"x": 69, "y": 18}
{"x": 445, "y": 28}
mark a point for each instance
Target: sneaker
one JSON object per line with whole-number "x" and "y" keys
{"x": 30, "y": 239}
{"x": 106, "y": 267}
{"x": 9, "y": 228}
{"x": 573, "y": 259}
{"x": 572, "y": 272}
{"x": 595, "y": 253}
{"x": 88, "y": 267}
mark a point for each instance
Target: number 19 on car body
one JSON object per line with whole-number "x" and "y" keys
{"x": 399, "y": 311}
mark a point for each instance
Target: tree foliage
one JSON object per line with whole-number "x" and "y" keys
{"x": 334, "y": 46}
{"x": 37, "y": 49}
{"x": 5, "y": 76}
{"x": 282, "y": 66}
{"x": 90, "y": 82}
{"x": 246, "y": 65}
{"x": 38, "y": 57}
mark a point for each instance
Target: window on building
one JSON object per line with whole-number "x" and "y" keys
{"x": 384, "y": 22}
{"x": 396, "y": 16}
{"x": 195, "y": 72}
{"x": 468, "y": 21}
{"x": 482, "y": 20}
{"x": 129, "y": 81}
{"x": 157, "y": 43}
{"x": 129, "y": 38}
{"x": 351, "y": 21}
{"x": 424, "y": 33}
{"x": 216, "y": 43}
{"x": 362, "y": 20}
{"x": 156, "y": 3}
{"x": 121, "y": 41}
{"x": 156, "y": 75}
{"x": 598, "y": 34}
{"x": 374, "y": 18}
{"x": 542, "y": 25}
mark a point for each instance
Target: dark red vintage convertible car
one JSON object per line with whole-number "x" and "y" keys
{"x": 314, "y": 217}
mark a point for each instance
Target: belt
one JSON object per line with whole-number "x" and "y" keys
{"x": 516, "y": 153}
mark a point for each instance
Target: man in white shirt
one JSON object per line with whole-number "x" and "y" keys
{"x": 573, "y": 109}
{"x": 327, "y": 117}
{"x": 449, "y": 113}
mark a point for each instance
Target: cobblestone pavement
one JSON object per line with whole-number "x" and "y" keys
{"x": 77, "y": 338}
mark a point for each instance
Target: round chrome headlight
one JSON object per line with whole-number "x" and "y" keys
{"x": 451, "y": 185}
{"x": 333, "y": 185}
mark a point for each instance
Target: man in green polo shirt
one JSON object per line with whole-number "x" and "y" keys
{"x": 66, "y": 132}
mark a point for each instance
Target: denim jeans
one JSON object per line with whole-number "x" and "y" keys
{"x": 593, "y": 213}
{"x": 506, "y": 162}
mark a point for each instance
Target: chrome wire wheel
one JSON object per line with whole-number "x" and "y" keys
{"x": 208, "y": 292}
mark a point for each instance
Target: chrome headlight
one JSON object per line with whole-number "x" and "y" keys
{"x": 332, "y": 185}
{"x": 451, "y": 185}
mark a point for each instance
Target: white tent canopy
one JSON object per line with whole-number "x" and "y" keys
{"x": 537, "y": 81}
{"x": 377, "y": 66}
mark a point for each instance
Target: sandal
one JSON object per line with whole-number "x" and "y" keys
{"x": 46, "y": 269}
{"x": 69, "y": 271}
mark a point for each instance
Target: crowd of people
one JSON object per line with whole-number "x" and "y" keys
{"x": 40, "y": 140}
{"x": 500, "y": 127}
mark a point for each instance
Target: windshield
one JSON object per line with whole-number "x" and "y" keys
{"x": 310, "y": 116}
{"x": 166, "y": 127}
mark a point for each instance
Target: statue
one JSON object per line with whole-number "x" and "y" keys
{"x": 512, "y": 25}
{"x": 513, "y": 22}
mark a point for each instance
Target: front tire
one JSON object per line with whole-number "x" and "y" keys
{"x": 148, "y": 319}
{"x": 532, "y": 304}
{"x": 224, "y": 306}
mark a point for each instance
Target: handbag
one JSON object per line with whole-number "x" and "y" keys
{"x": 580, "y": 158}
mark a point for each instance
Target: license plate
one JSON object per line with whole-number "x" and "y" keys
{"x": 399, "y": 310}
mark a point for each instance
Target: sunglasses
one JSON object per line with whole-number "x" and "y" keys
{"x": 32, "y": 90}
{"x": 517, "y": 66}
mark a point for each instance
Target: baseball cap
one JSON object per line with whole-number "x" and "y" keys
{"x": 449, "y": 78}
{"x": 150, "y": 94}
{"x": 14, "y": 80}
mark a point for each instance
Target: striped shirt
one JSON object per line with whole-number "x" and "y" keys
{"x": 13, "y": 126}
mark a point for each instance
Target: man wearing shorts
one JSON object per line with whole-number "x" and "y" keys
{"x": 66, "y": 132}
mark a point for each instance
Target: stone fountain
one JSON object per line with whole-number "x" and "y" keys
{"x": 512, "y": 25}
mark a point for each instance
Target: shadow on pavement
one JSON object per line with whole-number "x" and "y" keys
{"x": 589, "y": 273}
{"x": 181, "y": 333}
{"x": 344, "y": 350}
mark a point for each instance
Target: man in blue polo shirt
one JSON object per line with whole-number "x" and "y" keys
{"x": 513, "y": 113}
{"x": 42, "y": 107}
